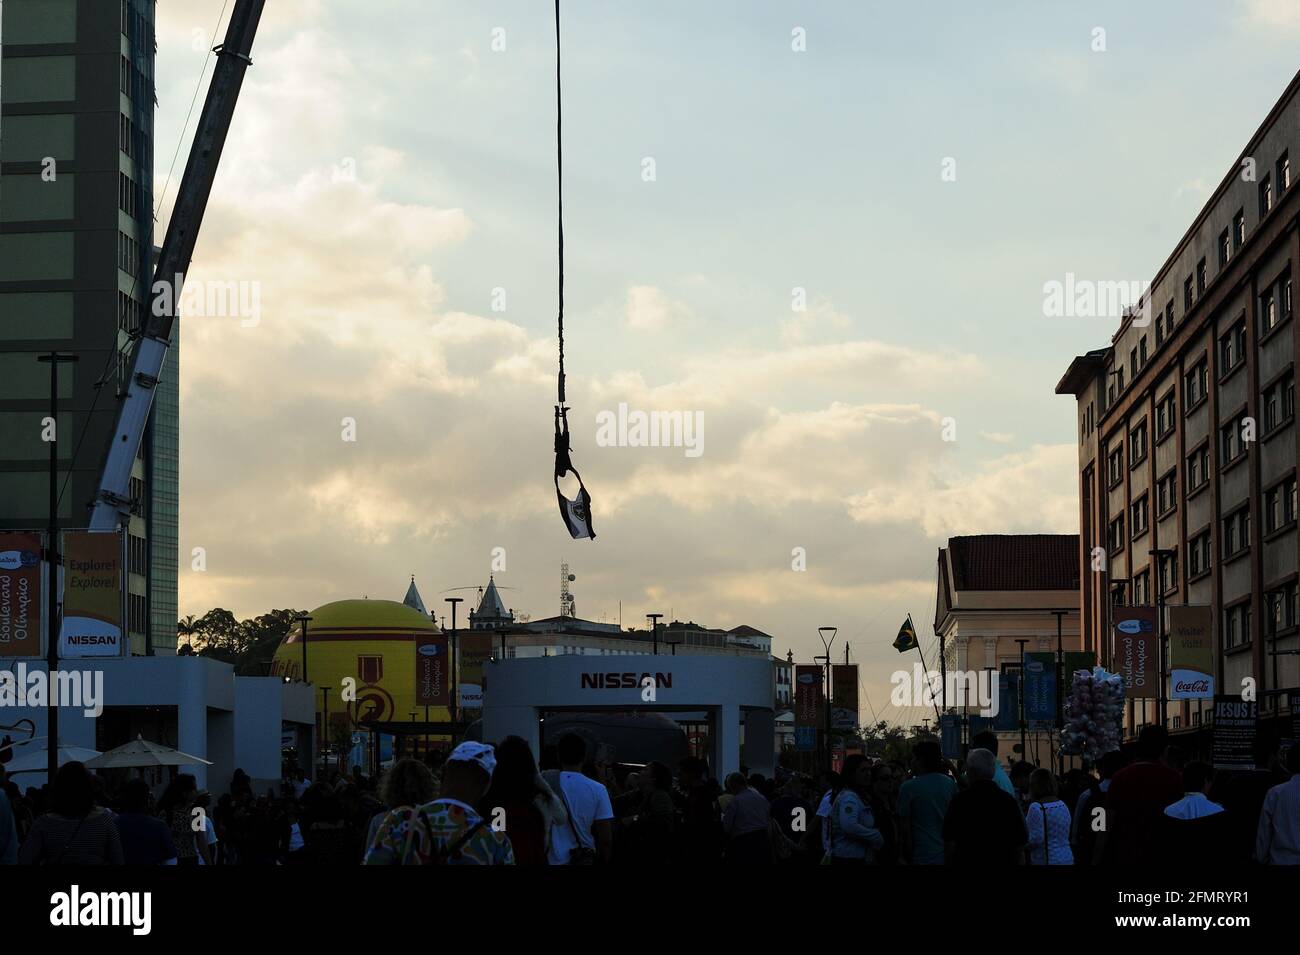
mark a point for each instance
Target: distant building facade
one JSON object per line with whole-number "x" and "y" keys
{"x": 1187, "y": 437}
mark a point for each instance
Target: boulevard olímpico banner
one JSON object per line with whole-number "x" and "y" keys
{"x": 844, "y": 696}
{"x": 475, "y": 650}
{"x": 807, "y": 705}
{"x": 92, "y": 595}
{"x": 1191, "y": 653}
{"x": 432, "y": 671}
{"x": 1135, "y": 651}
{"x": 20, "y": 595}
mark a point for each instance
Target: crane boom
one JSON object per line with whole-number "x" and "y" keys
{"x": 112, "y": 501}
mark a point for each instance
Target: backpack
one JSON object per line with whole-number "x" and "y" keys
{"x": 419, "y": 833}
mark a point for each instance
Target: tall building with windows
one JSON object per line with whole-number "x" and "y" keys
{"x": 1187, "y": 436}
{"x": 76, "y": 243}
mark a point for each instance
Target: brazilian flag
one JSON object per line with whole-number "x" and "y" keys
{"x": 906, "y": 639}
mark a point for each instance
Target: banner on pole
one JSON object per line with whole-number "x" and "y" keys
{"x": 1236, "y": 722}
{"x": 844, "y": 696}
{"x": 1008, "y": 716}
{"x": 1191, "y": 653}
{"x": 20, "y": 595}
{"x": 475, "y": 650}
{"x": 92, "y": 595}
{"x": 807, "y": 704}
{"x": 1040, "y": 689}
{"x": 950, "y": 735}
{"x": 432, "y": 671}
{"x": 1135, "y": 650}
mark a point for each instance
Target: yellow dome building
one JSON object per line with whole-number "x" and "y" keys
{"x": 373, "y": 643}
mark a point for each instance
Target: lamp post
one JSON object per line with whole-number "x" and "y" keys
{"x": 826, "y": 698}
{"x": 304, "y": 619}
{"x": 54, "y": 359}
{"x": 1024, "y": 742}
{"x": 454, "y": 688}
{"x": 1060, "y": 684}
{"x": 1160, "y": 554}
{"x": 654, "y": 630}
{"x": 325, "y": 726}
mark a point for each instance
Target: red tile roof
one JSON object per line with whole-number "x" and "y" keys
{"x": 1015, "y": 562}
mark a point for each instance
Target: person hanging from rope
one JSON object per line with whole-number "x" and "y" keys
{"x": 575, "y": 511}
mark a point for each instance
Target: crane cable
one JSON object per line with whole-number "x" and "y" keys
{"x": 576, "y": 512}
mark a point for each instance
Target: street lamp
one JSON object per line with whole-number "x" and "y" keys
{"x": 54, "y": 359}
{"x": 304, "y": 619}
{"x": 1160, "y": 553}
{"x": 454, "y": 687}
{"x": 826, "y": 699}
{"x": 654, "y": 629}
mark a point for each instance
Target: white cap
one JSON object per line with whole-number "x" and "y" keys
{"x": 479, "y": 753}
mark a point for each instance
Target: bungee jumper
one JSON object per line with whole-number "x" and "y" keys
{"x": 575, "y": 511}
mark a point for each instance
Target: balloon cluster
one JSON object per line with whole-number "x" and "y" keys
{"x": 1093, "y": 713}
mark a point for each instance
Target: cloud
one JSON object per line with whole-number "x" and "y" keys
{"x": 1270, "y": 15}
{"x": 820, "y": 319}
{"x": 649, "y": 309}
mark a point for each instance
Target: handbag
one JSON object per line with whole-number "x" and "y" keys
{"x": 579, "y": 854}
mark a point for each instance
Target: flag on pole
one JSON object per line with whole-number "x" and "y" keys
{"x": 906, "y": 639}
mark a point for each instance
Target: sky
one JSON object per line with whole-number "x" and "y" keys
{"x": 912, "y": 175}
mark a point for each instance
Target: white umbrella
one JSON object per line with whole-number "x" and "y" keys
{"x": 142, "y": 752}
{"x": 36, "y": 759}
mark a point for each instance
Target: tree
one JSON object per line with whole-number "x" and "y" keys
{"x": 248, "y": 645}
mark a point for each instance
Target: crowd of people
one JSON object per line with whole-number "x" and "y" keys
{"x": 496, "y": 805}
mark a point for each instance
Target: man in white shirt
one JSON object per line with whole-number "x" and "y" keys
{"x": 1278, "y": 840}
{"x": 591, "y": 816}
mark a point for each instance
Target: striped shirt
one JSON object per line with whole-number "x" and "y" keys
{"x": 63, "y": 840}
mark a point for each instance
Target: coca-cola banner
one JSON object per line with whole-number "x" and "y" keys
{"x": 1191, "y": 653}
{"x": 1135, "y": 651}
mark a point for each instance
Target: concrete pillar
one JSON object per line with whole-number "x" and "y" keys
{"x": 725, "y": 733}
{"x": 192, "y": 736}
{"x": 759, "y": 749}
{"x": 502, "y": 721}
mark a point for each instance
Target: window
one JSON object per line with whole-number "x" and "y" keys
{"x": 1198, "y": 468}
{"x": 1279, "y": 402}
{"x": 1279, "y": 505}
{"x": 1225, "y": 248}
{"x": 1138, "y": 516}
{"x": 1142, "y": 351}
{"x": 1283, "y": 173}
{"x": 1231, "y": 447}
{"x": 1265, "y": 196}
{"x": 1133, "y": 362}
{"x": 1166, "y": 493}
{"x": 1232, "y": 347}
{"x": 1168, "y": 570}
{"x": 1195, "y": 385}
{"x": 1280, "y": 608}
{"x": 1268, "y": 315}
{"x": 1115, "y": 465}
{"x": 1198, "y": 555}
{"x": 1115, "y": 534}
{"x": 1142, "y": 589}
{"x": 1169, "y": 319}
{"x": 1165, "y": 415}
{"x": 1236, "y": 625}
{"x": 1187, "y": 294}
{"x": 126, "y": 194}
{"x": 1137, "y": 444}
{"x": 137, "y": 554}
{"x": 1200, "y": 278}
{"x": 1238, "y": 230}
{"x": 1236, "y": 532}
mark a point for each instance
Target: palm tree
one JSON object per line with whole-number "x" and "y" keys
{"x": 187, "y": 627}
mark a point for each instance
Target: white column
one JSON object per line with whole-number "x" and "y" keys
{"x": 726, "y": 741}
